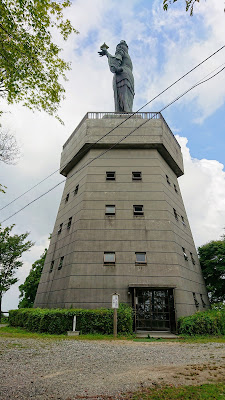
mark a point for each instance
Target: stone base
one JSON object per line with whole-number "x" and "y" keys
{"x": 73, "y": 333}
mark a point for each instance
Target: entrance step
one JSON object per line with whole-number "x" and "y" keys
{"x": 156, "y": 334}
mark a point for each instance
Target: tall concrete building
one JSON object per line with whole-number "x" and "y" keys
{"x": 121, "y": 225}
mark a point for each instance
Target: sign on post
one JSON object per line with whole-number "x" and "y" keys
{"x": 115, "y": 305}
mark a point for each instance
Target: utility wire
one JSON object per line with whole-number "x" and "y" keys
{"x": 122, "y": 122}
{"x": 114, "y": 145}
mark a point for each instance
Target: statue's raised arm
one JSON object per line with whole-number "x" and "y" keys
{"x": 123, "y": 81}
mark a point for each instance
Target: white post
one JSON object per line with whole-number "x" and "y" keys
{"x": 74, "y": 323}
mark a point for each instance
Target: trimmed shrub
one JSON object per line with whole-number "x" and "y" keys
{"x": 210, "y": 322}
{"x": 59, "y": 321}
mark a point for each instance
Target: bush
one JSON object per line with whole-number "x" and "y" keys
{"x": 61, "y": 320}
{"x": 210, "y": 322}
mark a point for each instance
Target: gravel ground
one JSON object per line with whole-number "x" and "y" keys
{"x": 72, "y": 369}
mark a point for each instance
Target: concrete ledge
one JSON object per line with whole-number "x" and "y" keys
{"x": 73, "y": 333}
{"x": 156, "y": 334}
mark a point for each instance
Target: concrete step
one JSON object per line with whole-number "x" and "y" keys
{"x": 156, "y": 334}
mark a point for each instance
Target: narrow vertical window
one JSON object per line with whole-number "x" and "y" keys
{"x": 203, "y": 303}
{"x": 140, "y": 258}
{"x": 51, "y": 266}
{"x": 61, "y": 262}
{"x": 76, "y": 190}
{"x": 67, "y": 197}
{"x": 192, "y": 258}
{"x": 110, "y": 175}
{"x": 136, "y": 176}
{"x": 60, "y": 228}
{"x": 185, "y": 254}
{"x": 175, "y": 188}
{"x": 183, "y": 221}
{"x": 167, "y": 179}
{"x": 195, "y": 300}
{"x": 109, "y": 257}
{"x": 175, "y": 214}
{"x": 110, "y": 210}
{"x": 69, "y": 223}
{"x": 138, "y": 210}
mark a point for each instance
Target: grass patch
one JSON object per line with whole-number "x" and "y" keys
{"x": 203, "y": 392}
{"x": 9, "y": 331}
{"x": 203, "y": 339}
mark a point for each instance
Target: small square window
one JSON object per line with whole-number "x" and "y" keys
{"x": 138, "y": 210}
{"x": 61, "y": 262}
{"x": 51, "y": 266}
{"x": 109, "y": 258}
{"x": 195, "y": 300}
{"x": 184, "y": 253}
{"x": 69, "y": 223}
{"x": 140, "y": 258}
{"x": 110, "y": 210}
{"x": 192, "y": 258}
{"x": 167, "y": 179}
{"x": 175, "y": 188}
{"x": 76, "y": 190}
{"x": 67, "y": 197}
{"x": 110, "y": 176}
{"x": 175, "y": 214}
{"x": 136, "y": 176}
{"x": 183, "y": 221}
{"x": 60, "y": 228}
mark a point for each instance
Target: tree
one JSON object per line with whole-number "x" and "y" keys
{"x": 11, "y": 249}
{"x": 30, "y": 66}
{"x": 189, "y": 4}
{"x": 9, "y": 151}
{"x": 212, "y": 260}
{"x": 29, "y": 288}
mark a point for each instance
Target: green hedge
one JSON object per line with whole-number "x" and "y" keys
{"x": 210, "y": 322}
{"x": 61, "y": 320}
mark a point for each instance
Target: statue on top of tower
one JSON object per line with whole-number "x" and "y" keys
{"x": 123, "y": 81}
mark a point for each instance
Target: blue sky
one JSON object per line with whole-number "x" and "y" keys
{"x": 163, "y": 46}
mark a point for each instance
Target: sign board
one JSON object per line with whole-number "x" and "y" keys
{"x": 115, "y": 301}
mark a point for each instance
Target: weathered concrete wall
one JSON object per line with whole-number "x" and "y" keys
{"x": 84, "y": 281}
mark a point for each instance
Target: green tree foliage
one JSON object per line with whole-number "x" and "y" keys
{"x": 212, "y": 260}
{"x": 11, "y": 249}
{"x": 189, "y": 4}
{"x": 29, "y": 288}
{"x": 30, "y": 66}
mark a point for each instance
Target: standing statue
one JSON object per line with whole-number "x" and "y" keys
{"x": 123, "y": 81}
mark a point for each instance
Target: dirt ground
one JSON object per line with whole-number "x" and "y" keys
{"x": 74, "y": 369}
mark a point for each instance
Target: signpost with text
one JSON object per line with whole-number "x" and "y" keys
{"x": 115, "y": 305}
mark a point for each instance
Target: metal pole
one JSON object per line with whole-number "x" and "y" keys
{"x": 115, "y": 323}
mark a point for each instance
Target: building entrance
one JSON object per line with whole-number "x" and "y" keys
{"x": 154, "y": 309}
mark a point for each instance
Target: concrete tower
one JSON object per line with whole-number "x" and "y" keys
{"x": 122, "y": 225}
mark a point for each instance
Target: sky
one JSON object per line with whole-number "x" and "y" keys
{"x": 163, "y": 47}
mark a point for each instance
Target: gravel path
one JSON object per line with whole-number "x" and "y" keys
{"x": 71, "y": 369}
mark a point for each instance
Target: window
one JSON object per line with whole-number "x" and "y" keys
{"x": 67, "y": 197}
{"x": 203, "y": 303}
{"x": 140, "y": 258}
{"x": 167, "y": 179}
{"x": 195, "y": 300}
{"x": 182, "y": 219}
{"x": 61, "y": 262}
{"x": 110, "y": 176}
{"x": 51, "y": 266}
{"x": 76, "y": 190}
{"x": 60, "y": 228}
{"x": 184, "y": 253}
{"x": 175, "y": 188}
{"x": 192, "y": 258}
{"x": 69, "y": 223}
{"x": 110, "y": 210}
{"x": 136, "y": 176}
{"x": 175, "y": 214}
{"x": 138, "y": 210}
{"x": 109, "y": 258}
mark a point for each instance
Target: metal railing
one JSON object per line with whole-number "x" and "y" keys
{"x": 104, "y": 115}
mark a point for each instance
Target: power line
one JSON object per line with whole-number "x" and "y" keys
{"x": 114, "y": 145}
{"x": 122, "y": 122}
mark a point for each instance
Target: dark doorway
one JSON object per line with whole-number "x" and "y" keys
{"x": 154, "y": 309}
